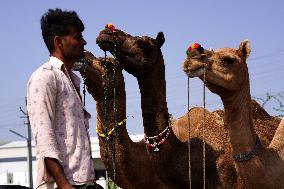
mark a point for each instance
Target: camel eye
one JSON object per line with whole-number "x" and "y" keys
{"x": 229, "y": 59}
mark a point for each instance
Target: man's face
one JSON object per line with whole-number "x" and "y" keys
{"x": 73, "y": 45}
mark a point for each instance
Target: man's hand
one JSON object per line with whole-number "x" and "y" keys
{"x": 57, "y": 172}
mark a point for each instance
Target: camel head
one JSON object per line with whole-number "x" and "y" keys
{"x": 226, "y": 70}
{"x": 137, "y": 55}
{"x": 93, "y": 69}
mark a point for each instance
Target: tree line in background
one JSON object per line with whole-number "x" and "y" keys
{"x": 273, "y": 102}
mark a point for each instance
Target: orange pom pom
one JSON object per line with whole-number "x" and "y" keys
{"x": 111, "y": 27}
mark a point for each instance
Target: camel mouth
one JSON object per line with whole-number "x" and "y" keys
{"x": 194, "y": 73}
{"x": 193, "y": 67}
{"x": 105, "y": 45}
{"x": 105, "y": 40}
{"x": 81, "y": 64}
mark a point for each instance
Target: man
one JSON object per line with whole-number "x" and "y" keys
{"x": 58, "y": 118}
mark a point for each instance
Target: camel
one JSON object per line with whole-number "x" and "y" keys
{"x": 216, "y": 135}
{"x": 224, "y": 164}
{"x": 133, "y": 168}
{"x": 226, "y": 71}
{"x": 142, "y": 57}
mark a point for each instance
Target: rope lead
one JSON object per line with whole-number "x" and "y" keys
{"x": 203, "y": 129}
{"x": 189, "y": 151}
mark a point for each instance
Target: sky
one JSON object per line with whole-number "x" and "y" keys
{"x": 213, "y": 24}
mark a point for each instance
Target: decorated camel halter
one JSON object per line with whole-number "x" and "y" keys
{"x": 200, "y": 49}
{"x": 112, "y": 132}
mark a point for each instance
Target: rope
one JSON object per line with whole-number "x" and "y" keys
{"x": 114, "y": 106}
{"x": 189, "y": 151}
{"x": 84, "y": 91}
{"x": 106, "y": 133}
{"x": 203, "y": 129}
{"x": 106, "y": 118}
{"x": 115, "y": 123}
{"x": 203, "y": 133}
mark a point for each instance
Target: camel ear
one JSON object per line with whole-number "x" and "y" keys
{"x": 244, "y": 49}
{"x": 160, "y": 39}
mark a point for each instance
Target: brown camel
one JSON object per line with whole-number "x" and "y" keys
{"x": 227, "y": 75}
{"x": 142, "y": 57}
{"x": 133, "y": 168}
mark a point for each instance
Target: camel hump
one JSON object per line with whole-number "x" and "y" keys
{"x": 277, "y": 141}
{"x": 265, "y": 125}
{"x": 258, "y": 111}
{"x": 181, "y": 126}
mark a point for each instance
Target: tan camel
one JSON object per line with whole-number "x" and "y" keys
{"x": 216, "y": 135}
{"x": 227, "y": 76}
{"x": 142, "y": 57}
{"x": 180, "y": 126}
{"x": 133, "y": 168}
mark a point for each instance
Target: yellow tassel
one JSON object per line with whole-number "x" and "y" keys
{"x": 112, "y": 130}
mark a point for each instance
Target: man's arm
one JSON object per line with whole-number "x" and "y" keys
{"x": 41, "y": 96}
{"x": 56, "y": 170}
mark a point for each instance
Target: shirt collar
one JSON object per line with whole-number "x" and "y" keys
{"x": 57, "y": 63}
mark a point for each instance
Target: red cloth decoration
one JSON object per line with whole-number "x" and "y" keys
{"x": 111, "y": 27}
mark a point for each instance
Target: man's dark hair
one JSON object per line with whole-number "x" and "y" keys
{"x": 56, "y": 22}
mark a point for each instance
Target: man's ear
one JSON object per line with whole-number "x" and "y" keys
{"x": 160, "y": 39}
{"x": 57, "y": 41}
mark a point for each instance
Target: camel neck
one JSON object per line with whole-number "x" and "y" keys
{"x": 238, "y": 117}
{"x": 153, "y": 100}
{"x": 105, "y": 116}
{"x": 107, "y": 112}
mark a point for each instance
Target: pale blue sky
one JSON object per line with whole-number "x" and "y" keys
{"x": 213, "y": 24}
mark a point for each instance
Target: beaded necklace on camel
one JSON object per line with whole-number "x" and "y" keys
{"x": 155, "y": 141}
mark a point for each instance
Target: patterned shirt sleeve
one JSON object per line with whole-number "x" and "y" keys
{"x": 41, "y": 97}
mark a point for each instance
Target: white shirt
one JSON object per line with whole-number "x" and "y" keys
{"x": 59, "y": 123}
